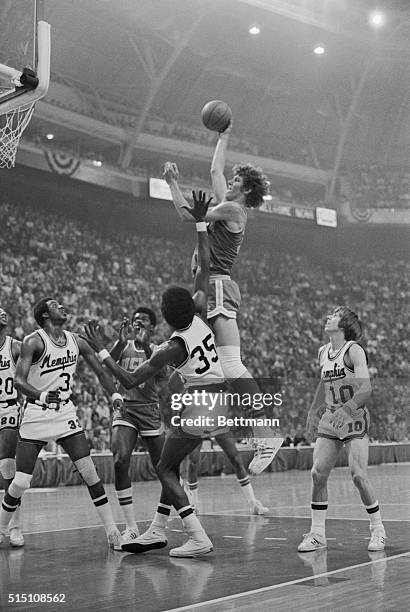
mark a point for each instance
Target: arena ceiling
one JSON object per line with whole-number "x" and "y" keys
{"x": 166, "y": 58}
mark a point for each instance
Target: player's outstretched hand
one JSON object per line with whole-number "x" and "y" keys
{"x": 171, "y": 172}
{"x": 200, "y": 207}
{"x": 125, "y": 332}
{"x": 228, "y": 129}
{"x": 93, "y": 335}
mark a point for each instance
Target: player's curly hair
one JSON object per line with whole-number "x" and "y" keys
{"x": 147, "y": 311}
{"x": 177, "y": 307}
{"x": 41, "y": 308}
{"x": 350, "y": 324}
{"x": 255, "y": 180}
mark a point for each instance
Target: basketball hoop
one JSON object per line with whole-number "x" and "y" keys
{"x": 15, "y": 122}
{"x": 17, "y": 106}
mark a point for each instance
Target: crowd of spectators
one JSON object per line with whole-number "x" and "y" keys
{"x": 103, "y": 273}
{"x": 377, "y": 186}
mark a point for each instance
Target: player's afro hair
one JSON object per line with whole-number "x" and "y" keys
{"x": 147, "y": 311}
{"x": 177, "y": 307}
{"x": 253, "y": 180}
{"x": 39, "y": 309}
{"x": 350, "y": 323}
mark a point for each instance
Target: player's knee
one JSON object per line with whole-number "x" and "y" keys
{"x": 319, "y": 476}
{"x": 8, "y": 468}
{"x": 21, "y": 482}
{"x": 230, "y": 358}
{"x": 86, "y": 468}
{"x": 121, "y": 460}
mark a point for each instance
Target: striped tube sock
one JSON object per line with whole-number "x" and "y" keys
{"x": 374, "y": 515}
{"x": 8, "y": 507}
{"x": 100, "y": 501}
{"x": 161, "y": 517}
{"x": 318, "y": 510}
{"x": 125, "y": 500}
{"x": 247, "y": 489}
{"x": 190, "y": 520}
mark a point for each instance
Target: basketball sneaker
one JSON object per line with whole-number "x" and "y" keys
{"x": 152, "y": 539}
{"x": 377, "y": 539}
{"x": 263, "y": 457}
{"x": 197, "y": 545}
{"x": 258, "y": 508}
{"x": 16, "y": 536}
{"x": 312, "y": 541}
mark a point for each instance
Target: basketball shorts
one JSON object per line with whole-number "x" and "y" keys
{"x": 42, "y": 425}
{"x": 9, "y": 414}
{"x": 224, "y": 297}
{"x": 352, "y": 429}
{"x": 203, "y": 418}
{"x": 144, "y": 418}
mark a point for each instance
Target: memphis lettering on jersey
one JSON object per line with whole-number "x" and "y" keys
{"x": 58, "y": 363}
{"x": 334, "y": 373}
{"x": 4, "y": 363}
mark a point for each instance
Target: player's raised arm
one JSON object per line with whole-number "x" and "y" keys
{"x": 170, "y": 352}
{"x": 201, "y": 281}
{"x": 219, "y": 185}
{"x": 123, "y": 337}
{"x": 103, "y": 376}
{"x": 171, "y": 175}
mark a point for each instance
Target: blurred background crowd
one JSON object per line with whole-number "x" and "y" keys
{"x": 104, "y": 270}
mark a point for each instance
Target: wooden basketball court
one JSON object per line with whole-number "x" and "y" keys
{"x": 255, "y": 564}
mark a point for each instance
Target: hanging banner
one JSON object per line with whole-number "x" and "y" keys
{"x": 61, "y": 163}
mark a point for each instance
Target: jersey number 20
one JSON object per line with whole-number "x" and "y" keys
{"x": 204, "y": 351}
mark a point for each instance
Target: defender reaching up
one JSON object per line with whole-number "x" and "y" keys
{"x": 191, "y": 351}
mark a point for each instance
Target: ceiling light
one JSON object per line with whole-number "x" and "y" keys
{"x": 97, "y": 163}
{"x": 377, "y": 19}
{"x": 319, "y": 50}
{"x": 254, "y": 30}
{"x": 50, "y": 136}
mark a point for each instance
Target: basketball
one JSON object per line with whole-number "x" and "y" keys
{"x": 216, "y": 115}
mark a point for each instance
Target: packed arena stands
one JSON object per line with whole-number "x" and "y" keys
{"x": 103, "y": 269}
{"x": 380, "y": 186}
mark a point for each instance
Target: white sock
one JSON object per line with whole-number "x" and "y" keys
{"x": 190, "y": 520}
{"x": 161, "y": 517}
{"x": 125, "y": 500}
{"x": 374, "y": 516}
{"x": 15, "y": 519}
{"x": 104, "y": 510}
{"x": 247, "y": 489}
{"x": 318, "y": 510}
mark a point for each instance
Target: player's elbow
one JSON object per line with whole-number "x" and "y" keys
{"x": 18, "y": 383}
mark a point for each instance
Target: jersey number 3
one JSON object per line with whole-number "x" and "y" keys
{"x": 204, "y": 352}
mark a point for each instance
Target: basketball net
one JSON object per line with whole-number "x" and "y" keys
{"x": 12, "y": 126}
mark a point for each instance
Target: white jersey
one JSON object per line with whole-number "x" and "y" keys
{"x": 202, "y": 365}
{"x": 57, "y": 365}
{"x": 7, "y": 372}
{"x": 339, "y": 379}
